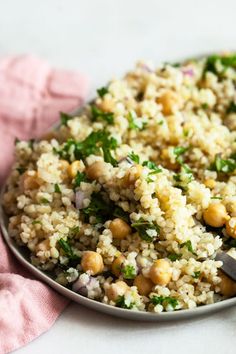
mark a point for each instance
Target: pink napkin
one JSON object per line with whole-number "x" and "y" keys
{"x": 31, "y": 95}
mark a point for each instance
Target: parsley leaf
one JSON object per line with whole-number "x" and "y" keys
{"x": 188, "y": 245}
{"x": 152, "y": 166}
{"x": 121, "y": 302}
{"x": 164, "y": 300}
{"x": 80, "y": 177}
{"x": 223, "y": 165}
{"x": 134, "y": 157}
{"x": 98, "y": 208}
{"x": 196, "y": 275}
{"x": 57, "y": 188}
{"x": 135, "y": 123}
{"x": 144, "y": 228}
{"x": 174, "y": 256}
{"x": 65, "y": 117}
{"x": 21, "y": 170}
{"x": 91, "y": 145}
{"x": 34, "y": 222}
{"x": 128, "y": 272}
{"x": 99, "y": 114}
{"x": 178, "y": 152}
{"x": 225, "y": 61}
{"x": 45, "y": 201}
{"x": 120, "y": 213}
{"x": 68, "y": 250}
{"x": 102, "y": 91}
{"x": 231, "y": 108}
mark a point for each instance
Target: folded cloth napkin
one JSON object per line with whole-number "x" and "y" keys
{"x": 31, "y": 95}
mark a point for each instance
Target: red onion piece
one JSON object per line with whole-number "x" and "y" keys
{"x": 188, "y": 71}
{"x": 79, "y": 197}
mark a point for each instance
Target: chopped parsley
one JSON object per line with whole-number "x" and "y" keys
{"x": 102, "y": 91}
{"x": 98, "y": 208}
{"x": 204, "y": 106}
{"x": 67, "y": 249}
{"x": 93, "y": 144}
{"x": 57, "y": 188}
{"x": 98, "y": 114}
{"x": 145, "y": 229}
{"x": 74, "y": 231}
{"x": 80, "y": 177}
{"x": 120, "y": 213}
{"x": 231, "y": 108}
{"x": 196, "y": 275}
{"x": 216, "y": 198}
{"x": 134, "y": 157}
{"x": 121, "y": 302}
{"x": 183, "y": 178}
{"x": 152, "y": 166}
{"x": 128, "y": 272}
{"x": 21, "y": 170}
{"x": 223, "y": 165}
{"x": 65, "y": 117}
{"x": 45, "y": 201}
{"x": 188, "y": 245}
{"x": 164, "y": 300}
{"x": 135, "y": 123}
{"x": 225, "y": 61}
{"x": 34, "y": 222}
{"x": 174, "y": 256}
{"x": 178, "y": 152}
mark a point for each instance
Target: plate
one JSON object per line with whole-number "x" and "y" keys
{"x": 23, "y": 258}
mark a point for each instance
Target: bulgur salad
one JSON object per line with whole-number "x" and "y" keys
{"x": 129, "y": 202}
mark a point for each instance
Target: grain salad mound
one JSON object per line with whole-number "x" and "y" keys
{"x": 129, "y": 202}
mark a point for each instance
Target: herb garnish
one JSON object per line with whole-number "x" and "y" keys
{"x": 135, "y": 123}
{"x": 164, "y": 300}
{"x": 65, "y": 117}
{"x": 223, "y": 165}
{"x": 134, "y": 157}
{"x": 97, "y": 208}
{"x": 45, "y": 201}
{"x": 99, "y": 114}
{"x": 96, "y": 141}
{"x": 68, "y": 250}
{"x": 21, "y": 170}
{"x": 231, "y": 108}
{"x": 178, "y": 152}
{"x": 57, "y": 188}
{"x": 188, "y": 245}
{"x": 144, "y": 227}
{"x": 174, "y": 256}
{"x": 128, "y": 272}
{"x": 196, "y": 275}
{"x": 120, "y": 213}
{"x": 121, "y": 302}
{"x": 102, "y": 91}
{"x": 80, "y": 177}
{"x": 225, "y": 61}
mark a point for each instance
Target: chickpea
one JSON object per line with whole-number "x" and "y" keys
{"x": 160, "y": 272}
{"x": 119, "y": 228}
{"x": 215, "y": 215}
{"x": 131, "y": 176}
{"x": 106, "y": 105}
{"x": 210, "y": 183}
{"x": 95, "y": 170}
{"x": 116, "y": 265}
{"x": 167, "y": 162}
{"x": 116, "y": 289}
{"x": 64, "y": 166}
{"x": 144, "y": 285}
{"x": 227, "y": 285}
{"x": 231, "y": 227}
{"x": 93, "y": 262}
{"x": 75, "y": 167}
{"x": 29, "y": 182}
{"x": 169, "y": 100}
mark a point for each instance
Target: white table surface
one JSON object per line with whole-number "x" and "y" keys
{"x": 104, "y": 38}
